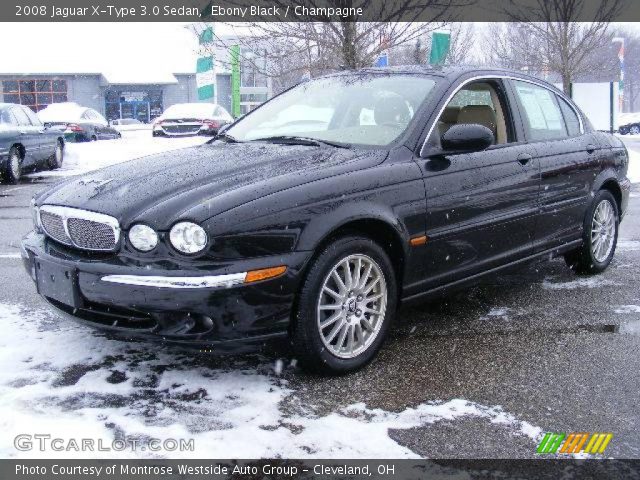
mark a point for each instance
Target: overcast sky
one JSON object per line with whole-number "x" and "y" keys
{"x": 97, "y": 47}
{"x": 140, "y": 49}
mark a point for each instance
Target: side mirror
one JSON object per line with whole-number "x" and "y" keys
{"x": 467, "y": 137}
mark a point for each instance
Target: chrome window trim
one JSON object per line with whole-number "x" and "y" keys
{"x": 210, "y": 281}
{"x": 494, "y": 77}
{"x": 69, "y": 212}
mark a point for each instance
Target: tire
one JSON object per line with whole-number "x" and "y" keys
{"x": 55, "y": 160}
{"x": 623, "y": 131}
{"x": 599, "y": 245}
{"x": 13, "y": 168}
{"x": 634, "y": 129}
{"x": 355, "y": 336}
{"x": 94, "y": 138}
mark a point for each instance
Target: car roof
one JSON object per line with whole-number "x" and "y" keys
{"x": 449, "y": 72}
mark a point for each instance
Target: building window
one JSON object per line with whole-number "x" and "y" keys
{"x": 34, "y": 93}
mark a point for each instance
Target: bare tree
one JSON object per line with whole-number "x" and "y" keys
{"x": 314, "y": 47}
{"x": 548, "y": 38}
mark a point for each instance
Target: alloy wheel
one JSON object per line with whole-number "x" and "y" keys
{"x": 352, "y": 305}
{"x": 635, "y": 130}
{"x": 603, "y": 230}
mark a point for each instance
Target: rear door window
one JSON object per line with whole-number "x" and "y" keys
{"x": 33, "y": 118}
{"x": 570, "y": 117}
{"x": 542, "y": 117}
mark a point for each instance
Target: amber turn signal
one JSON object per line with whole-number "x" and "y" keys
{"x": 264, "y": 274}
{"x": 414, "y": 242}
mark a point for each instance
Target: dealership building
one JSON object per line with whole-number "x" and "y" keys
{"x": 122, "y": 94}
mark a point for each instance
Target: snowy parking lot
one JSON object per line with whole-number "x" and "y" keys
{"x": 481, "y": 373}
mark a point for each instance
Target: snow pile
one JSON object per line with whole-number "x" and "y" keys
{"x": 70, "y": 382}
{"x": 84, "y": 157}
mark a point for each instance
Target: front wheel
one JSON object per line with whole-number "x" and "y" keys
{"x": 599, "y": 238}
{"x": 346, "y": 304}
{"x": 634, "y": 130}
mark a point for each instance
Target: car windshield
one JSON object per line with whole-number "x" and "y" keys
{"x": 362, "y": 109}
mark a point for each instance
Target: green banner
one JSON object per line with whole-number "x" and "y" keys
{"x": 206, "y": 36}
{"x": 439, "y": 47}
{"x": 235, "y": 81}
{"x": 205, "y": 67}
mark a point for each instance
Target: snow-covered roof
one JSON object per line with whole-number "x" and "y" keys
{"x": 189, "y": 110}
{"x": 61, "y": 112}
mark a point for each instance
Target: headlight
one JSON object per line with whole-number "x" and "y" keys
{"x": 35, "y": 215}
{"x": 188, "y": 237}
{"x": 143, "y": 238}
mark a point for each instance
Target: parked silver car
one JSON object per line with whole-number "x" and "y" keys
{"x": 191, "y": 119}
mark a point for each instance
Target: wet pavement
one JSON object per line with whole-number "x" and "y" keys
{"x": 544, "y": 346}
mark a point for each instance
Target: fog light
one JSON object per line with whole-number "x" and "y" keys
{"x": 188, "y": 237}
{"x": 143, "y": 237}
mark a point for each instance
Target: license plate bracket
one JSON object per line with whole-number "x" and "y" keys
{"x": 58, "y": 282}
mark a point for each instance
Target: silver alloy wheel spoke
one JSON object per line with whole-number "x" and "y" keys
{"x": 603, "y": 228}
{"x": 351, "y": 306}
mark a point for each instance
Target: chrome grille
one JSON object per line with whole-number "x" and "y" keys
{"x": 54, "y": 227}
{"x": 80, "y": 228}
{"x": 91, "y": 235}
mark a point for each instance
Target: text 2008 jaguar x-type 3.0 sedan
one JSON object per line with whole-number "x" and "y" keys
{"x": 318, "y": 213}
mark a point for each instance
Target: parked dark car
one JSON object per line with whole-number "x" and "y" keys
{"x": 415, "y": 182}
{"x": 184, "y": 119}
{"x": 630, "y": 128}
{"x": 25, "y": 143}
{"x": 80, "y": 124}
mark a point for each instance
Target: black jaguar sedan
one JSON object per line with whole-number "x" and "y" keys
{"x": 318, "y": 213}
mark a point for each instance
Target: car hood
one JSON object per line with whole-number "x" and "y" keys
{"x": 200, "y": 182}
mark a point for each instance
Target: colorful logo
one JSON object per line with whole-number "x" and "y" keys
{"x": 574, "y": 443}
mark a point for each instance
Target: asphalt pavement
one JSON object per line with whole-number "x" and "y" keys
{"x": 555, "y": 350}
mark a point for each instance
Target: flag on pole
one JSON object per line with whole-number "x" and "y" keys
{"x": 205, "y": 67}
{"x": 439, "y": 47}
{"x": 235, "y": 81}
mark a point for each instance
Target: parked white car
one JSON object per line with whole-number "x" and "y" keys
{"x": 191, "y": 119}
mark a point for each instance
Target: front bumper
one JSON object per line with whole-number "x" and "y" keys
{"x": 163, "y": 300}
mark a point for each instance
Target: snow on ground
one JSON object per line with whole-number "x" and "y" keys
{"x": 628, "y": 245}
{"x": 634, "y": 165}
{"x": 628, "y": 309}
{"x": 83, "y": 385}
{"x": 591, "y": 282}
{"x": 85, "y": 157}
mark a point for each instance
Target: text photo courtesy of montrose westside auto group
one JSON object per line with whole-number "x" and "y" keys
{"x": 320, "y": 239}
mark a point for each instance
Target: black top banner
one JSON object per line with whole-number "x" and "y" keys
{"x": 319, "y": 10}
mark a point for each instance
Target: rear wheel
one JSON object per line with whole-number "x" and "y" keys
{"x": 346, "y": 304}
{"x": 599, "y": 238}
{"x": 13, "y": 169}
{"x": 55, "y": 160}
{"x": 94, "y": 138}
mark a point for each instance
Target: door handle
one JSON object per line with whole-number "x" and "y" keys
{"x": 22, "y": 132}
{"x": 591, "y": 148}
{"x": 524, "y": 158}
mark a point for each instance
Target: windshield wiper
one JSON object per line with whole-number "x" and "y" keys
{"x": 295, "y": 140}
{"x": 228, "y": 138}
